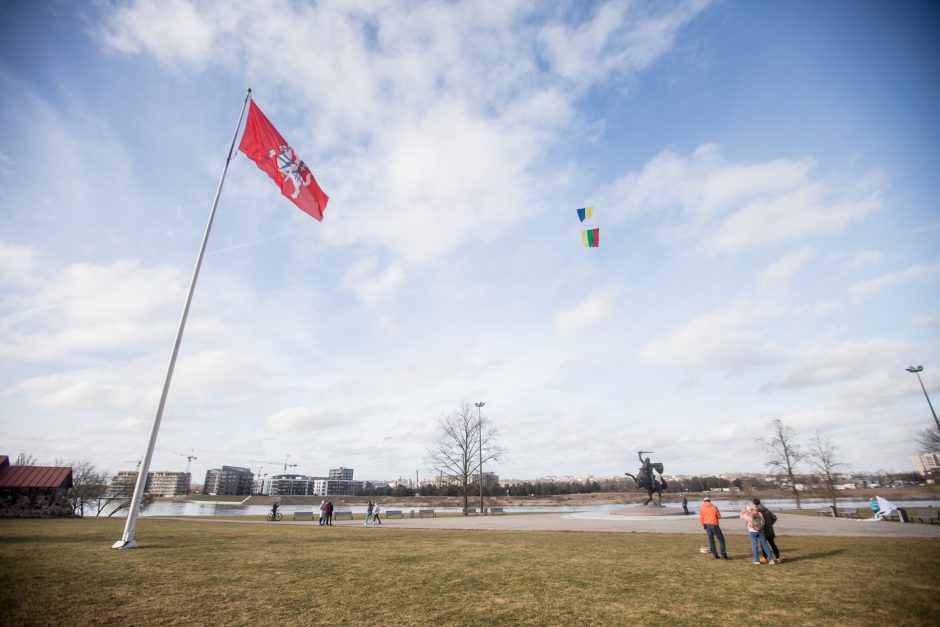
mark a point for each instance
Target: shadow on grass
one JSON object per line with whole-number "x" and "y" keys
{"x": 789, "y": 557}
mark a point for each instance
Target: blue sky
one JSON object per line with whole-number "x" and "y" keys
{"x": 763, "y": 174}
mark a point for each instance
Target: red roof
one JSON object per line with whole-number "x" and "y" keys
{"x": 34, "y": 476}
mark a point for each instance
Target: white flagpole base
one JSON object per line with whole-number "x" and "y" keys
{"x": 125, "y": 544}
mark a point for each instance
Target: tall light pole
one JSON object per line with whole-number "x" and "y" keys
{"x": 917, "y": 370}
{"x": 480, "y": 430}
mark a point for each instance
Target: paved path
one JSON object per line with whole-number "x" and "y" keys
{"x": 787, "y": 525}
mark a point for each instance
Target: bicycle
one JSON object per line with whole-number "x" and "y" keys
{"x": 272, "y": 516}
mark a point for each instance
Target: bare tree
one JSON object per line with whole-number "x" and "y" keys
{"x": 88, "y": 485}
{"x": 928, "y": 439}
{"x": 456, "y": 449}
{"x": 24, "y": 459}
{"x": 822, "y": 454}
{"x": 785, "y": 454}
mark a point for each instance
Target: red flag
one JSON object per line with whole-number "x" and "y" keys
{"x": 265, "y": 146}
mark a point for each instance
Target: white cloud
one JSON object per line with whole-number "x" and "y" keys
{"x": 729, "y": 207}
{"x": 399, "y": 100}
{"x": 862, "y": 260}
{"x": 91, "y": 307}
{"x": 872, "y": 287}
{"x": 827, "y": 362}
{"x": 299, "y": 419}
{"x": 369, "y": 284}
{"x": 784, "y": 268}
{"x": 728, "y": 339}
{"x": 592, "y": 311}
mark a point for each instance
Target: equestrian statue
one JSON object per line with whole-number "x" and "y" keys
{"x": 646, "y": 480}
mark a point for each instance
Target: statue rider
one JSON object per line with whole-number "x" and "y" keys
{"x": 646, "y": 469}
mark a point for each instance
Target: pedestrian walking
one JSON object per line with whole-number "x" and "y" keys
{"x": 368, "y": 513}
{"x": 375, "y": 515}
{"x": 685, "y": 505}
{"x": 322, "y": 512}
{"x": 769, "y": 519}
{"x": 709, "y": 516}
{"x": 755, "y": 529}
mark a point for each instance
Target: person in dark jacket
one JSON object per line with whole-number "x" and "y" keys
{"x": 769, "y": 520}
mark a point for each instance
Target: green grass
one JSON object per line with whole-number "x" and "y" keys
{"x": 195, "y": 573}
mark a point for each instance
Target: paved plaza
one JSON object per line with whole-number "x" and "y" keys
{"x": 787, "y": 524}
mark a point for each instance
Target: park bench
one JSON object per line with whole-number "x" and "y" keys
{"x": 469, "y": 510}
{"x": 393, "y": 513}
{"x": 426, "y": 512}
{"x": 343, "y": 514}
{"x": 497, "y": 510}
{"x": 928, "y": 516}
{"x": 844, "y": 513}
{"x": 303, "y": 515}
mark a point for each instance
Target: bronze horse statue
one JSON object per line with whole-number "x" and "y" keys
{"x": 644, "y": 478}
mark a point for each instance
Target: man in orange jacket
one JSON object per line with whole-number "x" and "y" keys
{"x": 709, "y": 516}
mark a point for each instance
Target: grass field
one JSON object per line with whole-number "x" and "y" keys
{"x": 64, "y": 572}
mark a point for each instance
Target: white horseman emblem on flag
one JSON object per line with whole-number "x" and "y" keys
{"x": 292, "y": 168}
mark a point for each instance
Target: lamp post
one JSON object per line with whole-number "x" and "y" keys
{"x": 916, "y": 370}
{"x": 480, "y": 430}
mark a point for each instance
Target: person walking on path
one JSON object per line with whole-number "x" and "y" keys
{"x": 769, "y": 519}
{"x": 709, "y": 516}
{"x": 368, "y": 514}
{"x": 685, "y": 505}
{"x": 755, "y": 528}
{"x": 329, "y": 513}
{"x": 375, "y": 515}
{"x": 322, "y": 512}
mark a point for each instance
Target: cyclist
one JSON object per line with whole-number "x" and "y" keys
{"x": 274, "y": 507}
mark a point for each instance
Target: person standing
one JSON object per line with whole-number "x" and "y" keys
{"x": 329, "y": 513}
{"x": 685, "y": 505}
{"x": 709, "y": 516}
{"x": 322, "y": 512}
{"x": 755, "y": 529}
{"x": 873, "y": 504}
{"x": 368, "y": 514}
{"x": 769, "y": 519}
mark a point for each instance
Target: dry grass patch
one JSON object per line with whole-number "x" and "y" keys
{"x": 196, "y": 573}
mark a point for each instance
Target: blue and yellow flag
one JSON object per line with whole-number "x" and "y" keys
{"x": 585, "y": 212}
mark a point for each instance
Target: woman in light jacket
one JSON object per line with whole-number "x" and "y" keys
{"x": 755, "y": 529}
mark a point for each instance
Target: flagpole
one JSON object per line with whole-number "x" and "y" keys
{"x": 128, "y": 540}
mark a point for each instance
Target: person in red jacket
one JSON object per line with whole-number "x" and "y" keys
{"x": 709, "y": 517}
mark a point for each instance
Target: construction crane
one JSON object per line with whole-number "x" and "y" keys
{"x": 189, "y": 458}
{"x": 285, "y": 463}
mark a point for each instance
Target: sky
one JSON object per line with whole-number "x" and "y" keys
{"x": 763, "y": 175}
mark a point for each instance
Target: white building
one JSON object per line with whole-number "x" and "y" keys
{"x": 927, "y": 461}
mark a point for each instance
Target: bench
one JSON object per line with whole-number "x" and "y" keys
{"x": 824, "y": 512}
{"x": 343, "y": 514}
{"x": 392, "y": 513}
{"x": 844, "y": 513}
{"x": 469, "y": 510}
{"x": 303, "y": 515}
{"x": 928, "y": 516}
{"x": 426, "y": 512}
{"x": 497, "y": 510}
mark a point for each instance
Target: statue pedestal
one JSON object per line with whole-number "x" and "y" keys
{"x": 648, "y": 510}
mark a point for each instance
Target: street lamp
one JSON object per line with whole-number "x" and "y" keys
{"x": 480, "y": 430}
{"x": 916, "y": 370}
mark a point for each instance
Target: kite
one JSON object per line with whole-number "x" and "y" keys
{"x": 591, "y": 238}
{"x": 585, "y": 212}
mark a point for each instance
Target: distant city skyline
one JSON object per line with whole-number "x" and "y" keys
{"x": 763, "y": 176}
